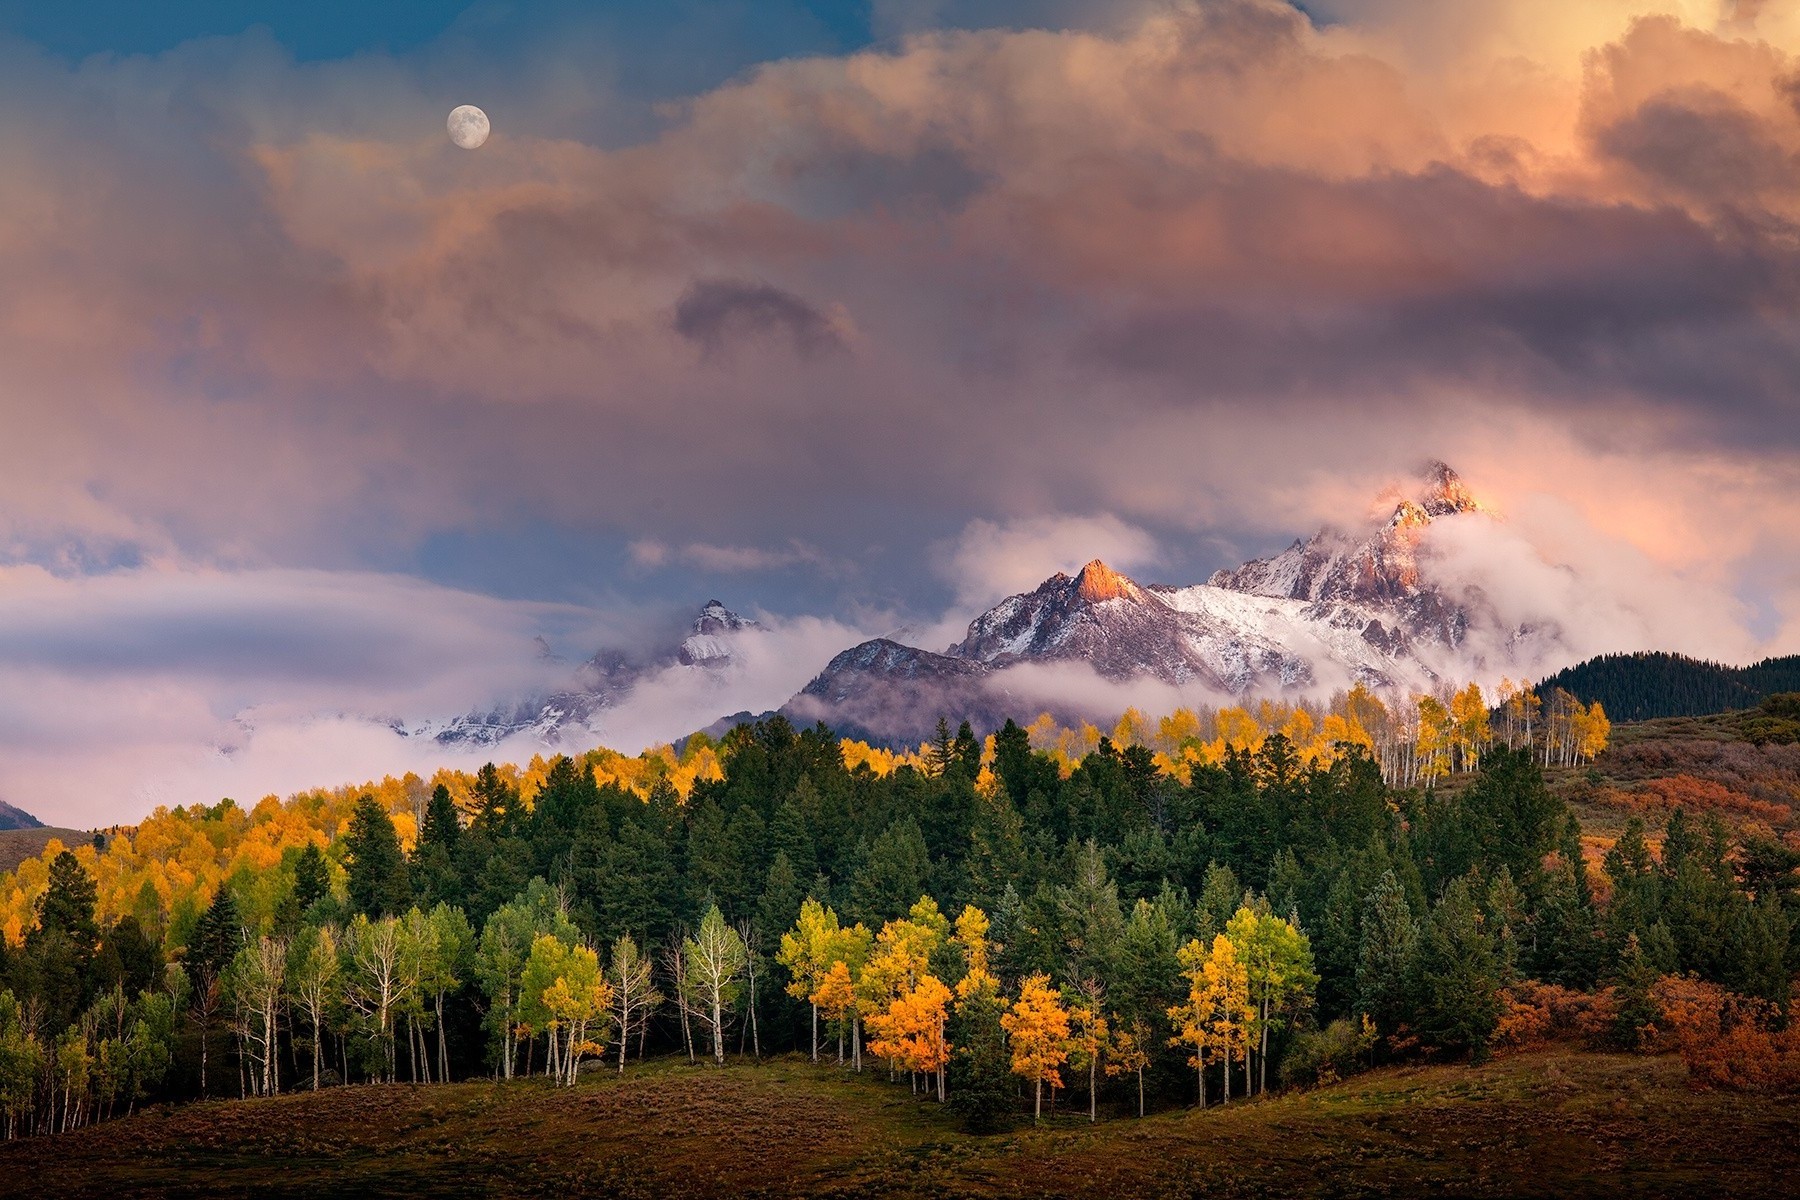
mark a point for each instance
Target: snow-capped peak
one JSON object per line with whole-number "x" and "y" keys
{"x": 1098, "y": 582}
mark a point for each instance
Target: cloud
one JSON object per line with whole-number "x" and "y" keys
{"x": 993, "y": 559}
{"x": 179, "y": 683}
{"x": 1575, "y": 593}
{"x": 1025, "y": 284}
{"x": 715, "y": 313}
{"x": 726, "y": 560}
{"x": 768, "y": 666}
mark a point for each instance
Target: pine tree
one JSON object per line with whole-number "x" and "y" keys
{"x": 376, "y": 870}
{"x": 1384, "y": 961}
{"x": 980, "y": 1076}
{"x": 67, "y": 903}
{"x": 312, "y": 877}
{"x": 215, "y": 942}
{"x": 1456, "y": 977}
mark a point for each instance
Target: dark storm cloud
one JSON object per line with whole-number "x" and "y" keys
{"x": 715, "y": 313}
{"x": 1704, "y": 146}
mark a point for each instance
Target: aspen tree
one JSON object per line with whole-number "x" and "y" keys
{"x": 806, "y": 953}
{"x": 1038, "y": 1026}
{"x": 374, "y": 984}
{"x": 1129, "y": 1055}
{"x": 312, "y": 981}
{"x": 1194, "y": 1020}
{"x": 1278, "y": 971}
{"x": 1088, "y": 1043}
{"x": 836, "y": 998}
{"x": 633, "y": 990}
{"x": 714, "y": 959}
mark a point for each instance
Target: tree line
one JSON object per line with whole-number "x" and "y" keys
{"x": 976, "y": 922}
{"x": 1647, "y": 685}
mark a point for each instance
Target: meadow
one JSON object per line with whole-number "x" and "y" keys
{"x": 1554, "y": 1122}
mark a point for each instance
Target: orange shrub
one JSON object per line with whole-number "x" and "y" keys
{"x": 1534, "y": 1014}
{"x": 1728, "y": 1040}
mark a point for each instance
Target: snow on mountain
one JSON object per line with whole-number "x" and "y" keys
{"x": 576, "y": 713}
{"x": 1331, "y": 611}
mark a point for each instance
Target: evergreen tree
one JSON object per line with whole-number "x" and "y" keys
{"x": 1456, "y": 977}
{"x": 217, "y": 937}
{"x": 1384, "y": 961}
{"x": 1634, "y": 978}
{"x": 981, "y": 1087}
{"x": 67, "y": 904}
{"x": 443, "y": 827}
{"x": 312, "y": 877}
{"x": 376, "y": 870}
{"x": 895, "y": 872}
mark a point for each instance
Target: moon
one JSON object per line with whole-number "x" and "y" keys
{"x": 468, "y": 126}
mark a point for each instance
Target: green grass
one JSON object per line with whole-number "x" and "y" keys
{"x": 1552, "y": 1124}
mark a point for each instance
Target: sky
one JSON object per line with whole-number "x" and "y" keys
{"x": 855, "y": 316}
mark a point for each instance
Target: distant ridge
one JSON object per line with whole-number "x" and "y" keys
{"x": 17, "y": 818}
{"x": 1652, "y": 684}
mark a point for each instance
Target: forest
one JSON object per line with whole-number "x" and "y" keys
{"x": 1648, "y": 685}
{"x": 1188, "y": 911}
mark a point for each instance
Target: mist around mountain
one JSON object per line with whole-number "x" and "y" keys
{"x": 1433, "y": 588}
{"x": 1373, "y": 606}
{"x": 600, "y": 684}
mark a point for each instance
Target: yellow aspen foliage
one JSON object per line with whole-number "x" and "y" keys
{"x": 1470, "y": 735}
{"x": 1090, "y": 1041}
{"x": 1227, "y": 981}
{"x": 1588, "y": 731}
{"x": 806, "y": 949}
{"x": 1432, "y": 746}
{"x": 1177, "y": 732}
{"x": 901, "y": 956}
{"x": 978, "y": 981}
{"x": 1302, "y": 733}
{"x": 1238, "y": 730}
{"x": 909, "y": 1032}
{"x": 1132, "y": 730}
{"x": 1130, "y": 1056}
{"x": 1037, "y": 1025}
{"x": 836, "y": 993}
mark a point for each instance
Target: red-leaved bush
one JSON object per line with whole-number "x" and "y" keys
{"x": 1727, "y": 1040}
{"x": 1535, "y": 1014}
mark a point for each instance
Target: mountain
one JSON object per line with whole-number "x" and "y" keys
{"x": 882, "y": 691}
{"x": 1330, "y": 611}
{"x": 17, "y": 818}
{"x": 1643, "y": 687}
{"x": 573, "y": 714}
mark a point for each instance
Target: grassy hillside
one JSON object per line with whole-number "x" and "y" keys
{"x": 1553, "y": 1123}
{"x": 17, "y": 845}
{"x": 1705, "y": 764}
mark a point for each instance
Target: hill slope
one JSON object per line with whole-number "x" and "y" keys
{"x": 1648, "y": 686}
{"x": 1553, "y": 1123}
{"x": 17, "y": 818}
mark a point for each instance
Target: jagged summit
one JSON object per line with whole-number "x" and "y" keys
{"x": 1098, "y": 582}
{"x": 1446, "y": 493}
{"x": 1337, "y": 608}
{"x": 706, "y": 646}
{"x": 1376, "y": 567}
{"x": 600, "y": 683}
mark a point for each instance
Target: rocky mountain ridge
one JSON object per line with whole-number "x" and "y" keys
{"x": 1331, "y": 611}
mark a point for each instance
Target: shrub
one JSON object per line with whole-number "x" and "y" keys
{"x": 1728, "y": 1040}
{"x": 1536, "y": 1014}
{"x": 1317, "y": 1057}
